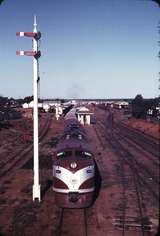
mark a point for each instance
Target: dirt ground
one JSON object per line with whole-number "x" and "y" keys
{"x": 20, "y": 216}
{"x": 145, "y": 126}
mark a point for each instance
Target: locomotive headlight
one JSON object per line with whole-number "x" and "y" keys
{"x": 73, "y": 165}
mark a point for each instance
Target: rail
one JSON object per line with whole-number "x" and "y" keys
{"x": 139, "y": 175}
{"x": 66, "y": 222}
{"x": 18, "y": 159}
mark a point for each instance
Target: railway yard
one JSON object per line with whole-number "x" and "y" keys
{"x": 127, "y": 181}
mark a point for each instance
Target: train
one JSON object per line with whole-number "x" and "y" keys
{"x": 73, "y": 166}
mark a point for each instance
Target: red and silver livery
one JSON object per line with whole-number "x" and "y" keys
{"x": 73, "y": 167}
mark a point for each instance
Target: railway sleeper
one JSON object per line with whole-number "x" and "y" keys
{"x": 132, "y": 224}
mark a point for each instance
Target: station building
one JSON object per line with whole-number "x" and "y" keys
{"x": 84, "y": 115}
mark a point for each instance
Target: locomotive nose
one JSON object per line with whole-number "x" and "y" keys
{"x": 73, "y": 197}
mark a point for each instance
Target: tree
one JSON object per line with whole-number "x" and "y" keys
{"x": 1, "y": 1}
{"x": 157, "y": 1}
{"x": 28, "y": 99}
{"x": 138, "y": 107}
{"x": 3, "y": 100}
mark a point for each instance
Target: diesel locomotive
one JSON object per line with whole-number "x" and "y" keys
{"x": 73, "y": 167}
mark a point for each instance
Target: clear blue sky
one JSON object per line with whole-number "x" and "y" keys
{"x": 90, "y": 48}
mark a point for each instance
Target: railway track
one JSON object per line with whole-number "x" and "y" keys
{"x": 18, "y": 159}
{"x": 148, "y": 143}
{"x": 140, "y": 152}
{"x": 118, "y": 144}
{"x": 138, "y": 148}
{"x": 135, "y": 186}
{"x": 152, "y": 139}
{"x": 72, "y": 222}
{"x": 152, "y": 173}
{"x": 142, "y": 171}
{"x": 133, "y": 177}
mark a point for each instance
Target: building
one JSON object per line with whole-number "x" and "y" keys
{"x": 83, "y": 115}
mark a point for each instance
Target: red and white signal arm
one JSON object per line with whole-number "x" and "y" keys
{"x": 29, "y": 53}
{"x": 28, "y": 34}
{"x": 26, "y": 53}
{"x": 37, "y": 35}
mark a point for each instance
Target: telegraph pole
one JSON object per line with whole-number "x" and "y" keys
{"x": 36, "y": 54}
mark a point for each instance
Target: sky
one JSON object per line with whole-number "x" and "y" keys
{"x": 90, "y": 48}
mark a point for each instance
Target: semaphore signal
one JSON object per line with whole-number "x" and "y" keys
{"x": 35, "y": 53}
{"x": 29, "y": 53}
{"x": 37, "y": 35}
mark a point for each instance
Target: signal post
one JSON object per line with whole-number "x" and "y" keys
{"x": 35, "y": 53}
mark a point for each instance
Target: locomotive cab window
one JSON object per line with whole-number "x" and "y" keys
{"x": 64, "y": 154}
{"x": 87, "y": 154}
{"x": 83, "y": 154}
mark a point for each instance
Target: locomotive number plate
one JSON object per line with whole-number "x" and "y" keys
{"x": 73, "y": 181}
